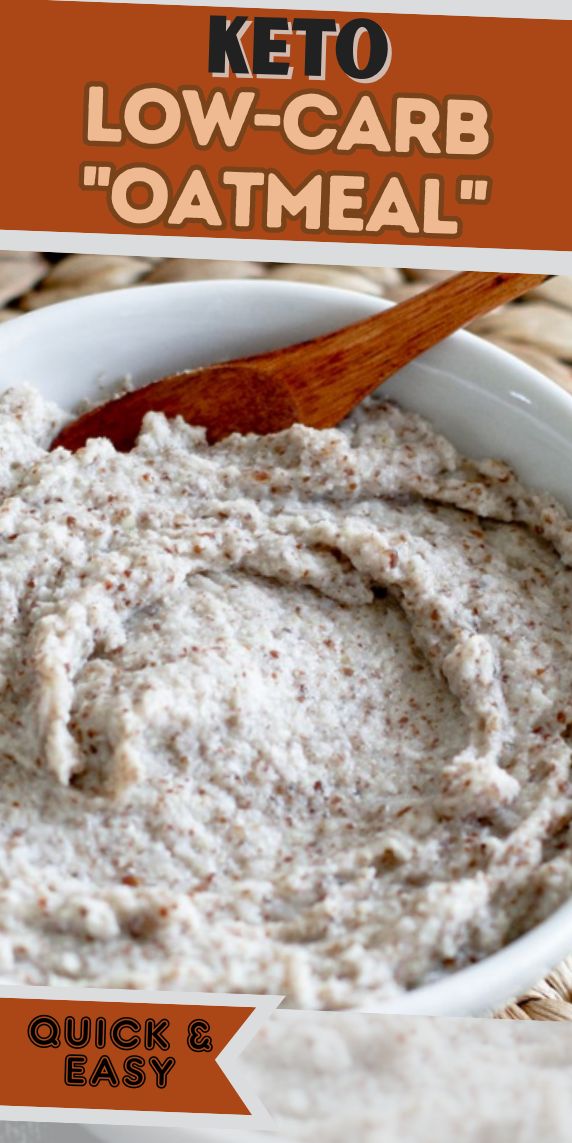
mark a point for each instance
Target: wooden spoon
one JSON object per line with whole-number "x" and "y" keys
{"x": 314, "y": 383}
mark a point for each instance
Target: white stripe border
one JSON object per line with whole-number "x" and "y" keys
{"x": 499, "y": 9}
{"x": 275, "y": 250}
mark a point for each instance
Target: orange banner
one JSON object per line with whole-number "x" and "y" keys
{"x": 118, "y": 1055}
{"x": 187, "y": 121}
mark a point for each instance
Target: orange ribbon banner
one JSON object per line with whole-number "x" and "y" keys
{"x": 123, "y": 1055}
{"x": 326, "y": 126}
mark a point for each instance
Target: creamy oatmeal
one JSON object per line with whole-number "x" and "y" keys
{"x": 286, "y": 714}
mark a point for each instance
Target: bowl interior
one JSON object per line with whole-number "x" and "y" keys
{"x": 486, "y": 401}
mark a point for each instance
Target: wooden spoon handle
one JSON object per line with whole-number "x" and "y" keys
{"x": 367, "y": 353}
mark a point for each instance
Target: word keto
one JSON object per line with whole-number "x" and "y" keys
{"x": 271, "y": 47}
{"x": 125, "y": 1034}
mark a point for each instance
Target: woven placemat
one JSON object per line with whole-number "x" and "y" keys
{"x": 537, "y": 328}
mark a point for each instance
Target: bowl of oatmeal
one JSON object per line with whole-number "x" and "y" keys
{"x": 285, "y": 714}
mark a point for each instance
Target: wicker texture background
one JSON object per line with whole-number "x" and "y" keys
{"x": 537, "y": 328}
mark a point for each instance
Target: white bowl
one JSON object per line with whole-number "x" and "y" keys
{"x": 486, "y": 401}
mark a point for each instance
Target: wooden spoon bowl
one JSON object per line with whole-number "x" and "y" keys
{"x": 316, "y": 382}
